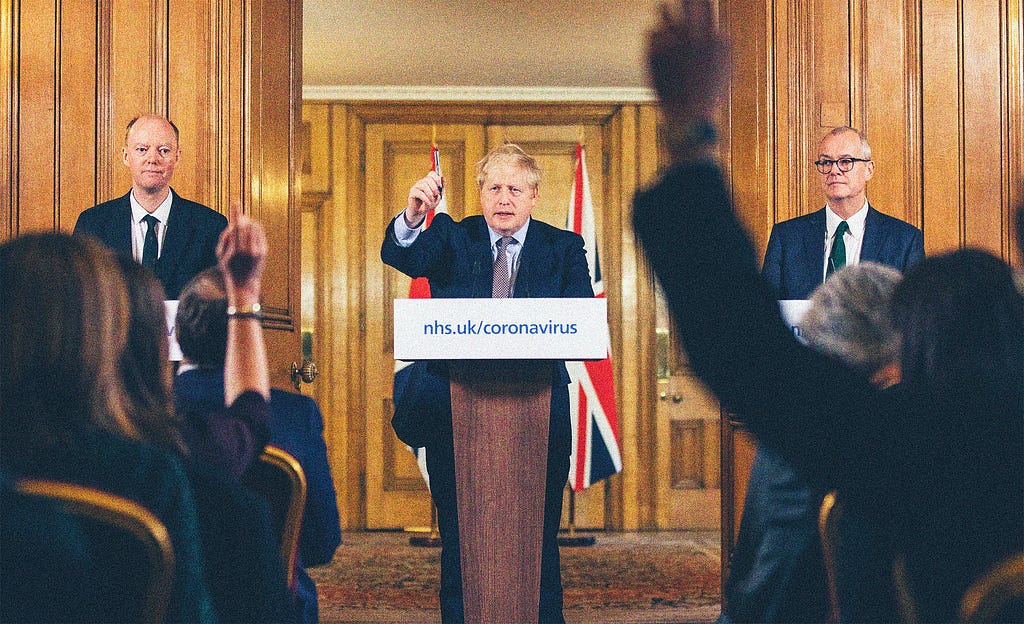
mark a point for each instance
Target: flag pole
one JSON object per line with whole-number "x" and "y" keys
{"x": 431, "y": 539}
{"x": 570, "y": 538}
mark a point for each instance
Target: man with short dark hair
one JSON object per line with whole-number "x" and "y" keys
{"x": 175, "y": 237}
{"x": 296, "y": 424}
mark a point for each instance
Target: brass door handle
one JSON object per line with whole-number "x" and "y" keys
{"x": 305, "y": 373}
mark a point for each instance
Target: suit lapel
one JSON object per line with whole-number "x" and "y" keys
{"x": 531, "y": 257}
{"x": 483, "y": 261}
{"x": 176, "y": 240}
{"x": 871, "y": 248}
{"x": 122, "y": 240}
{"x": 814, "y": 246}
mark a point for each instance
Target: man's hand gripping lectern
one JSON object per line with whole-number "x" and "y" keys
{"x": 502, "y": 356}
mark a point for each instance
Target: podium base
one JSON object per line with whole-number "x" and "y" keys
{"x": 425, "y": 541}
{"x": 576, "y": 540}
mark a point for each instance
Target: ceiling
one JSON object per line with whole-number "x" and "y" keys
{"x": 589, "y": 44}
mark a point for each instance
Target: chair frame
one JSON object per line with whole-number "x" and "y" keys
{"x": 828, "y": 515}
{"x": 282, "y": 460}
{"x": 986, "y": 596}
{"x": 127, "y": 515}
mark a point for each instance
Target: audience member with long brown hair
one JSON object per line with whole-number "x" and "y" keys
{"x": 64, "y": 414}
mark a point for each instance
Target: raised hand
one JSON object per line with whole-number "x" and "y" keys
{"x": 424, "y": 196}
{"x": 242, "y": 256}
{"x": 688, "y": 66}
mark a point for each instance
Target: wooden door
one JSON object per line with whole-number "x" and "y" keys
{"x": 397, "y": 155}
{"x": 274, "y": 116}
{"x": 687, "y": 455}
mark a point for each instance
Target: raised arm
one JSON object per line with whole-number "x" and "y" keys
{"x": 242, "y": 256}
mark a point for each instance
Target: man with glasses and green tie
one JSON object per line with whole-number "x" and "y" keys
{"x": 803, "y": 251}
{"x": 777, "y": 572}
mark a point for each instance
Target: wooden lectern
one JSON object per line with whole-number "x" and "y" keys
{"x": 501, "y": 406}
{"x": 500, "y": 414}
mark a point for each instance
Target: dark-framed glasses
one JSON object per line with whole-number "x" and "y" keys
{"x": 824, "y": 165}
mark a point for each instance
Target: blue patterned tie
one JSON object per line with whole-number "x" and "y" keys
{"x": 502, "y": 285}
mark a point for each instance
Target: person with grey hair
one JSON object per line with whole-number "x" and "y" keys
{"x": 803, "y": 251}
{"x": 849, "y": 318}
{"x": 777, "y": 572}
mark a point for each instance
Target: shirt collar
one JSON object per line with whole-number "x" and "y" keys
{"x": 162, "y": 212}
{"x": 520, "y": 236}
{"x": 856, "y": 221}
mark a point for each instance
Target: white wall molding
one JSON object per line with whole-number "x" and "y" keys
{"x": 477, "y": 94}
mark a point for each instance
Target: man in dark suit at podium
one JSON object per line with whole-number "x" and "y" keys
{"x": 804, "y": 250}
{"x": 502, "y": 253}
{"x": 175, "y": 237}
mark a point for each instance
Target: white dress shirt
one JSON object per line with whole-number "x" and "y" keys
{"x": 854, "y": 237}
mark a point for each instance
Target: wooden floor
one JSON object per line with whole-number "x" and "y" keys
{"x": 650, "y": 577}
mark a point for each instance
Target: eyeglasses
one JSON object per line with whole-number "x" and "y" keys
{"x": 845, "y": 164}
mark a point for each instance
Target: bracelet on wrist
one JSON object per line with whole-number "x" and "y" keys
{"x": 691, "y": 139}
{"x": 254, "y": 311}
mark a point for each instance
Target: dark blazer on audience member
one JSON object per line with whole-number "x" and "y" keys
{"x": 794, "y": 262}
{"x": 954, "y": 504}
{"x": 456, "y": 259}
{"x": 244, "y": 571}
{"x": 189, "y": 245}
{"x": 296, "y": 426}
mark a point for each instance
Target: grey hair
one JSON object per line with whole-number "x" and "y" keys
{"x": 850, "y": 317}
{"x": 864, "y": 147}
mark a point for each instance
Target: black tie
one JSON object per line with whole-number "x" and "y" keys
{"x": 151, "y": 247}
{"x": 837, "y": 257}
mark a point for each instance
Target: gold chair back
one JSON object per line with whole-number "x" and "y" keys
{"x": 132, "y": 520}
{"x": 278, "y": 476}
{"x": 987, "y": 597}
{"x": 828, "y": 517}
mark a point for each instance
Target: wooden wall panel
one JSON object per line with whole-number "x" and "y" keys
{"x": 36, "y": 185}
{"x": 983, "y": 147}
{"x": 76, "y": 72}
{"x": 76, "y": 121}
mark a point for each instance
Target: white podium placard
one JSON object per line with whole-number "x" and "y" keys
{"x": 173, "y": 350}
{"x": 792, "y": 312}
{"x": 504, "y": 329}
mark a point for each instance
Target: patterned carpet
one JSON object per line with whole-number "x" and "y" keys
{"x": 625, "y": 577}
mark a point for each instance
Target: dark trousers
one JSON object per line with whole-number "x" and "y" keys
{"x": 441, "y": 468}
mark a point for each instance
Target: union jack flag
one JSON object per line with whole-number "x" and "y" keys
{"x": 420, "y": 289}
{"x": 595, "y": 422}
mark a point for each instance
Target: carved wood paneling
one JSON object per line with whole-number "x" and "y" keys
{"x": 75, "y": 73}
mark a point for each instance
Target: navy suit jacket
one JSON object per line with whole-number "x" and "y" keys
{"x": 296, "y": 426}
{"x": 190, "y": 244}
{"x": 795, "y": 259}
